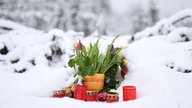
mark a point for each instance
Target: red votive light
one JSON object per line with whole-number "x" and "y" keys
{"x": 91, "y": 96}
{"x": 80, "y": 92}
{"x": 58, "y": 93}
{"x": 129, "y": 93}
{"x": 112, "y": 97}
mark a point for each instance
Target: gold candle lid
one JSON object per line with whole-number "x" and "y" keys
{"x": 112, "y": 95}
{"x": 58, "y": 92}
{"x": 91, "y": 92}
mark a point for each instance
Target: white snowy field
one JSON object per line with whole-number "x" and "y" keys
{"x": 34, "y": 63}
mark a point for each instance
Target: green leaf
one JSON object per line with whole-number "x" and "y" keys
{"x": 95, "y": 47}
{"x": 108, "y": 53}
{"x": 91, "y": 46}
{"x": 110, "y": 84}
{"x": 101, "y": 58}
{"x": 89, "y": 70}
{"x": 118, "y": 84}
{"x": 117, "y": 50}
{"x": 115, "y": 59}
{"x": 95, "y": 62}
{"x": 84, "y": 51}
{"x": 112, "y": 72}
{"x": 88, "y": 61}
{"x": 119, "y": 58}
{"x": 71, "y": 63}
{"x": 81, "y": 63}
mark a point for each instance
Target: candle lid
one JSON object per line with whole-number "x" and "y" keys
{"x": 91, "y": 92}
{"x": 129, "y": 87}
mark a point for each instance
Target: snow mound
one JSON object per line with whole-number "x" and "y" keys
{"x": 34, "y": 63}
{"x": 167, "y": 26}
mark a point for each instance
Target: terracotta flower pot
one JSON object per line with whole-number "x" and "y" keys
{"x": 95, "y": 82}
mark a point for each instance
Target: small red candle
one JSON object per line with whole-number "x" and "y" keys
{"x": 91, "y": 96}
{"x": 80, "y": 92}
{"x": 112, "y": 97}
{"x": 59, "y": 93}
{"x": 129, "y": 93}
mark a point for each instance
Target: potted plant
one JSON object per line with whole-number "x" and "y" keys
{"x": 93, "y": 65}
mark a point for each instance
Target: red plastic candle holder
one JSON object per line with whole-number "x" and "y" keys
{"x": 91, "y": 96}
{"x": 112, "y": 97}
{"x": 58, "y": 93}
{"x": 80, "y": 92}
{"x": 129, "y": 93}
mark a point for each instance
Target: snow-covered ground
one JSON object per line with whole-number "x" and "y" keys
{"x": 35, "y": 64}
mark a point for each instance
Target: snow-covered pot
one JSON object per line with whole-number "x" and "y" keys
{"x": 91, "y": 96}
{"x": 95, "y": 82}
{"x": 80, "y": 92}
{"x": 112, "y": 97}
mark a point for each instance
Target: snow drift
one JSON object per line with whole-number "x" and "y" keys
{"x": 34, "y": 63}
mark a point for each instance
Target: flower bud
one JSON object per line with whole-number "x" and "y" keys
{"x": 120, "y": 54}
{"x": 79, "y": 46}
{"x": 123, "y": 47}
{"x": 112, "y": 49}
{"x": 75, "y": 44}
{"x": 125, "y": 61}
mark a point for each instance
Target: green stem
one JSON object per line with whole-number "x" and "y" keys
{"x": 107, "y": 67}
{"x": 98, "y": 68}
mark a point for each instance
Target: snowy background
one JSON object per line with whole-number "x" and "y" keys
{"x": 109, "y": 17}
{"x": 33, "y": 62}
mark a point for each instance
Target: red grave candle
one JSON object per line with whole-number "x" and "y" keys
{"x": 129, "y": 93}
{"x": 58, "y": 93}
{"x": 91, "y": 96}
{"x": 80, "y": 92}
{"x": 112, "y": 97}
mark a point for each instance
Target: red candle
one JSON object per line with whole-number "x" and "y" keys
{"x": 80, "y": 92}
{"x": 91, "y": 96}
{"x": 112, "y": 97}
{"x": 59, "y": 93}
{"x": 129, "y": 93}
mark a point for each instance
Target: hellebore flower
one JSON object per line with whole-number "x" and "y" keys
{"x": 102, "y": 96}
{"x": 79, "y": 46}
{"x": 124, "y": 70}
{"x": 112, "y": 49}
{"x": 125, "y": 62}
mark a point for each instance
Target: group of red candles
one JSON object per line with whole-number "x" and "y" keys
{"x": 81, "y": 93}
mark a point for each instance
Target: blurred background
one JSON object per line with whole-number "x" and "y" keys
{"x": 109, "y": 17}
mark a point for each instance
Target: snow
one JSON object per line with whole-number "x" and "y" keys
{"x": 166, "y": 26}
{"x": 156, "y": 65}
